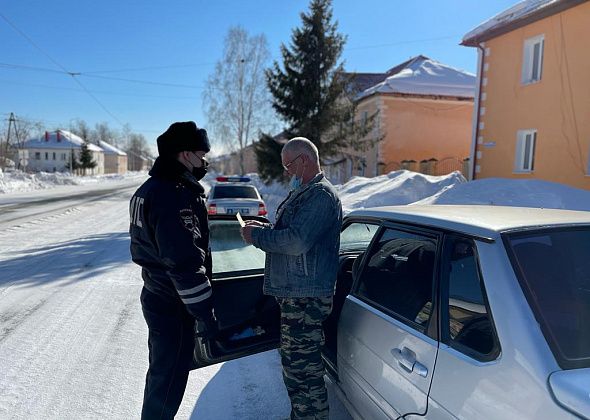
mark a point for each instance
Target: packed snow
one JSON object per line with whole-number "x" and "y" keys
{"x": 72, "y": 336}
{"x": 424, "y": 76}
{"x": 15, "y": 181}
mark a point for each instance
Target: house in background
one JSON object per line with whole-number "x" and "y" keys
{"x": 115, "y": 160}
{"x": 229, "y": 163}
{"x": 137, "y": 162}
{"x": 533, "y": 97}
{"x": 53, "y": 151}
{"x": 424, "y": 119}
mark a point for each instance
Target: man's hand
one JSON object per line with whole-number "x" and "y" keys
{"x": 254, "y": 223}
{"x": 246, "y": 231}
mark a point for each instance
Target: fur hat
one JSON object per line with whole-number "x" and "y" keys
{"x": 183, "y": 136}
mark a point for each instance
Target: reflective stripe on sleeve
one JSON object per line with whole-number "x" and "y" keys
{"x": 194, "y": 289}
{"x": 188, "y": 301}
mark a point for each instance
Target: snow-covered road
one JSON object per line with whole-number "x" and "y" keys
{"x": 72, "y": 337}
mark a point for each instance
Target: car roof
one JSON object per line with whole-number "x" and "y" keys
{"x": 480, "y": 220}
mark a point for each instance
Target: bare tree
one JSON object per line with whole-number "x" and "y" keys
{"x": 236, "y": 98}
{"x": 103, "y": 132}
{"x": 81, "y": 129}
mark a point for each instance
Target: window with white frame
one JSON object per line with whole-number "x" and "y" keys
{"x": 525, "y": 151}
{"x": 532, "y": 62}
{"x": 37, "y": 155}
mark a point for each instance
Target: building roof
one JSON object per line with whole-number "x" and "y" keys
{"x": 109, "y": 149}
{"x": 521, "y": 14}
{"x": 424, "y": 76}
{"x": 59, "y": 139}
{"x": 480, "y": 220}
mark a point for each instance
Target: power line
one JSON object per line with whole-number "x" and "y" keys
{"x": 149, "y": 68}
{"x": 33, "y": 43}
{"x": 147, "y": 82}
{"x": 32, "y": 68}
{"x": 73, "y": 75}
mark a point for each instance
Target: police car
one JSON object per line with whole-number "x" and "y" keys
{"x": 233, "y": 194}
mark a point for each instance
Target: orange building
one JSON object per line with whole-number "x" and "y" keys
{"x": 533, "y": 97}
{"x": 424, "y": 119}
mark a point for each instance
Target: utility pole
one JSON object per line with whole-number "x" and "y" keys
{"x": 8, "y": 147}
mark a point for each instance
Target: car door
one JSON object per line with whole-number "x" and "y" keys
{"x": 387, "y": 332}
{"x": 248, "y": 321}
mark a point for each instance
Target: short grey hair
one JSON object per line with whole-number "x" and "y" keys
{"x": 302, "y": 145}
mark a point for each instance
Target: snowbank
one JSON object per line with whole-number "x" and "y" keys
{"x": 512, "y": 192}
{"x": 394, "y": 188}
{"x": 19, "y": 181}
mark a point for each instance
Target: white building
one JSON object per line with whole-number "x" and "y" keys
{"x": 53, "y": 153}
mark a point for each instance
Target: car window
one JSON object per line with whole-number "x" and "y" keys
{"x": 398, "y": 276}
{"x": 553, "y": 267}
{"x": 234, "y": 191}
{"x": 229, "y": 251}
{"x": 357, "y": 236}
{"x": 467, "y": 322}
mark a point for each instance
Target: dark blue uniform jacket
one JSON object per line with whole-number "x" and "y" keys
{"x": 170, "y": 236}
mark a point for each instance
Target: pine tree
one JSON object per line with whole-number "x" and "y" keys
{"x": 86, "y": 161}
{"x": 312, "y": 92}
{"x": 268, "y": 158}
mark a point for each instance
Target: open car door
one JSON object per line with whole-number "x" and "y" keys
{"x": 248, "y": 321}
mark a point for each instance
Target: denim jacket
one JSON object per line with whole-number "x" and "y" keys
{"x": 302, "y": 247}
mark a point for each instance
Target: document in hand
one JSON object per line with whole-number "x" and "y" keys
{"x": 240, "y": 220}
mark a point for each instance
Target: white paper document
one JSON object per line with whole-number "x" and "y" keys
{"x": 239, "y": 217}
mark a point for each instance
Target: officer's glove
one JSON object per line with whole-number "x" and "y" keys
{"x": 206, "y": 328}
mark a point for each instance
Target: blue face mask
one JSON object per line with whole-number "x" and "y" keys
{"x": 295, "y": 182}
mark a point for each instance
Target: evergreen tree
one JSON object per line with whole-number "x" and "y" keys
{"x": 311, "y": 91}
{"x": 268, "y": 158}
{"x": 86, "y": 161}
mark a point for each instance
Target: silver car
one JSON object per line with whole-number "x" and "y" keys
{"x": 442, "y": 312}
{"x": 231, "y": 195}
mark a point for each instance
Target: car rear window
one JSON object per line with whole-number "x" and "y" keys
{"x": 553, "y": 266}
{"x": 234, "y": 191}
{"x": 229, "y": 252}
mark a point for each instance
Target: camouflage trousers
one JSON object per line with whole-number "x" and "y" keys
{"x": 302, "y": 338}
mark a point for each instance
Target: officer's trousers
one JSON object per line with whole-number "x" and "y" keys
{"x": 171, "y": 344}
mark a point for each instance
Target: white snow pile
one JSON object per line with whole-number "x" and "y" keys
{"x": 19, "y": 181}
{"x": 394, "y": 188}
{"x": 513, "y": 192}
{"x": 424, "y": 76}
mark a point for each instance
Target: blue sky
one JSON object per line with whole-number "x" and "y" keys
{"x": 177, "y": 42}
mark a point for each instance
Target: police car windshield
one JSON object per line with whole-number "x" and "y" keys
{"x": 234, "y": 191}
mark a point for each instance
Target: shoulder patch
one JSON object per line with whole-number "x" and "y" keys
{"x": 188, "y": 219}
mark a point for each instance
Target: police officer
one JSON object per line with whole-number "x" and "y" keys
{"x": 170, "y": 241}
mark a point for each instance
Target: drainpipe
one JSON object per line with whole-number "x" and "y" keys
{"x": 478, "y": 101}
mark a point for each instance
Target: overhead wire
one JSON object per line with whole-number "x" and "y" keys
{"x": 72, "y": 74}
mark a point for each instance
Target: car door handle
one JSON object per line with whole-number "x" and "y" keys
{"x": 406, "y": 358}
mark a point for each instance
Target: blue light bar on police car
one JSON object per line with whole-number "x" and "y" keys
{"x": 232, "y": 179}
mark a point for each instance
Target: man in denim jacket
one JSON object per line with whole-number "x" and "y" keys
{"x": 300, "y": 271}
